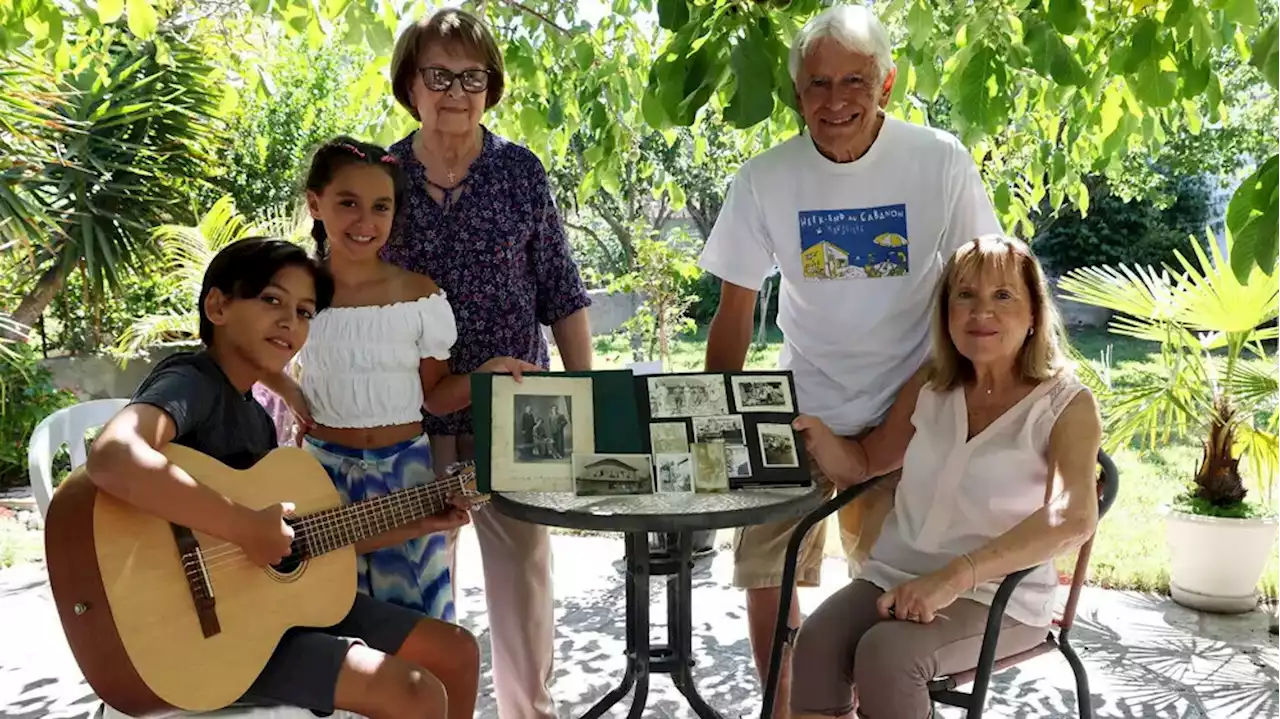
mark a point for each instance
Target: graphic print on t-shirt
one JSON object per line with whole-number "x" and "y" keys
{"x": 855, "y": 243}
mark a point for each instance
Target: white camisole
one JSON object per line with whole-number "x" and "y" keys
{"x": 956, "y": 495}
{"x": 359, "y": 366}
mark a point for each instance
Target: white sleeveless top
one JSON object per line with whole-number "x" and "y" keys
{"x": 956, "y": 496}
{"x": 359, "y": 366}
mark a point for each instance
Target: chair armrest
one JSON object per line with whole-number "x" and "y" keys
{"x": 995, "y": 617}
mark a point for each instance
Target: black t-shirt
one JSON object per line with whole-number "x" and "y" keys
{"x": 211, "y": 415}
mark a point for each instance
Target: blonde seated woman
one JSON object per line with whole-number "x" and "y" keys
{"x": 998, "y": 446}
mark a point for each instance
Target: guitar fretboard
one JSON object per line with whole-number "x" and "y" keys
{"x": 331, "y": 529}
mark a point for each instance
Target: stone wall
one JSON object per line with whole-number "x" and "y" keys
{"x": 98, "y": 377}
{"x": 1075, "y": 314}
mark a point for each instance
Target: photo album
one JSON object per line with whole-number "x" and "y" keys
{"x": 611, "y": 432}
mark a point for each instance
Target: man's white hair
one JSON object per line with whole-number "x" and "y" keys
{"x": 853, "y": 26}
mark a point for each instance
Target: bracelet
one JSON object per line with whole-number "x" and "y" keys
{"x": 973, "y": 568}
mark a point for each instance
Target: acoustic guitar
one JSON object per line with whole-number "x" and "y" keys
{"x": 160, "y": 617}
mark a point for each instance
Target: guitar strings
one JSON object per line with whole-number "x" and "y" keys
{"x": 222, "y": 555}
{"x": 318, "y": 524}
{"x": 334, "y": 517}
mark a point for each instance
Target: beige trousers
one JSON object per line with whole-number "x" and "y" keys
{"x": 516, "y": 559}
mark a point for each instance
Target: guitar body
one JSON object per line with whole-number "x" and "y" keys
{"x": 127, "y": 606}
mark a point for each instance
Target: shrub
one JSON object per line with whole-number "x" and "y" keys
{"x": 30, "y": 397}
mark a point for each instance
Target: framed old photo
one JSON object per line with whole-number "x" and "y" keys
{"x": 762, "y": 393}
{"x": 539, "y": 424}
{"x": 778, "y": 445}
{"x": 612, "y": 475}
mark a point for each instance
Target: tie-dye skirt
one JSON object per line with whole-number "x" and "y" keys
{"x": 415, "y": 574}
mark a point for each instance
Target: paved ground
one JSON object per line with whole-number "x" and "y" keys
{"x": 1147, "y": 657}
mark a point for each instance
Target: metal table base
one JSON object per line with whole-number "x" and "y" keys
{"x": 644, "y": 659}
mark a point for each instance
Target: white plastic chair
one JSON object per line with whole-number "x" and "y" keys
{"x": 69, "y": 426}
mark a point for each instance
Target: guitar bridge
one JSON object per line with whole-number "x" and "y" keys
{"x": 198, "y": 580}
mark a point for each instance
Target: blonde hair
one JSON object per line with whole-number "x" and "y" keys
{"x": 1041, "y": 356}
{"x": 449, "y": 26}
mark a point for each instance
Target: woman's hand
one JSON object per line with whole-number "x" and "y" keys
{"x": 508, "y": 365}
{"x": 291, "y": 393}
{"x": 920, "y": 599}
{"x": 839, "y": 458}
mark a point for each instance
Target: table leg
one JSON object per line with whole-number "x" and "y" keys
{"x": 636, "y": 622}
{"x": 680, "y": 627}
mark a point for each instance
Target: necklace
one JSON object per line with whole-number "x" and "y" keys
{"x": 450, "y": 175}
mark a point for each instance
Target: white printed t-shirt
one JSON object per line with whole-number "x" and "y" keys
{"x": 861, "y": 246}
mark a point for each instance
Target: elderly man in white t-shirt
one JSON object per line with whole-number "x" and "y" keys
{"x": 859, "y": 212}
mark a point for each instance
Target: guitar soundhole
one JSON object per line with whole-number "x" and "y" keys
{"x": 286, "y": 568}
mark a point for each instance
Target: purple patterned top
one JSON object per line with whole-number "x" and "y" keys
{"x": 499, "y": 252}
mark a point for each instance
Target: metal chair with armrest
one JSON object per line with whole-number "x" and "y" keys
{"x": 942, "y": 689}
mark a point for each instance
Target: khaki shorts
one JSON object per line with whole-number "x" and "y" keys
{"x": 760, "y": 551}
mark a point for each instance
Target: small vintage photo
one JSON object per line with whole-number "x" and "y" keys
{"x": 544, "y": 428}
{"x": 762, "y": 393}
{"x": 777, "y": 445}
{"x": 612, "y": 475}
{"x": 668, "y": 438}
{"x": 738, "y": 460}
{"x": 709, "y": 471}
{"x": 727, "y": 427}
{"x": 691, "y": 395}
{"x": 675, "y": 472}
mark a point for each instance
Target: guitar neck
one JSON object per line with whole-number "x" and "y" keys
{"x": 332, "y": 529}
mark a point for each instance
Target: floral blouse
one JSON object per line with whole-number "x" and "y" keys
{"x": 498, "y": 251}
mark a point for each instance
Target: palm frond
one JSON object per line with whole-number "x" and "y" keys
{"x": 1261, "y": 446}
{"x": 1140, "y": 292}
{"x": 154, "y": 329}
{"x": 1253, "y": 385}
{"x": 1214, "y": 300}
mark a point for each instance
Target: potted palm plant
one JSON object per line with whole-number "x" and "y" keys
{"x": 1217, "y": 380}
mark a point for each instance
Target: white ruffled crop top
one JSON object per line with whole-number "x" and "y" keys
{"x": 359, "y": 366}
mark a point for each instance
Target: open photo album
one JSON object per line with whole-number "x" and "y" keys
{"x": 611, "y": 432}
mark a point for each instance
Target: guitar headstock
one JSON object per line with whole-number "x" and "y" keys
{"x": 462, "y": 477}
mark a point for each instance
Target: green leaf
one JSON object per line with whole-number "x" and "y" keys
{"x": 584, "y": 53}
{"x": 609, "y": 179}
{"x": 142, "y": 18}
{"x": 1112, "y": 110}
{"x": 982, "y": 97}
{"x": 1002, "y": 198}
{"x": 672, "y": 14}
{"x": 1195, "y": 76}
{"x": 1176, "y": 13}
{"x": 752, "y": 100}
{"x": 1065, "y": 68}
{"x": 920, "y": 23}
{"x": 555, "y": 113}
{"x": 110, "y": 10}
{"x": 1256, "y": 244}
{"x": 1142, "y": 44}
{"x": 1266, "y": 53}
{"x": 1039, "y": 39}
{"x": 532, "y": 123}
{"x": 1156, "y": 87}
{"x": 1066, "y": 15}
{"x": 1242, "y": 12}
{"x": 927, "y": 80}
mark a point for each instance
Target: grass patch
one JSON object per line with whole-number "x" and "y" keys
{"x": 18, "y": 544}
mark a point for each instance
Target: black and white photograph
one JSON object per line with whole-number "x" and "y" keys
{"x": 675, "y": 473}
{"x": 738, "y": 460}
{"x": 777, "y": 445}
{"x": 762, "y": 393}
{"x": 668, "y": 438}
{"x": 544, "y": 428}
{"x": 612, "y": 475}
{"x": 709, "y": 471}
{"x": 692, "y": 395}
{"x": 727, "y": 427}
{"x": 539, "y": 424}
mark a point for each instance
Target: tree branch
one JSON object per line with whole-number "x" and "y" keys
{"x": 530, "y": 11}
{"x": 595, "y": 237}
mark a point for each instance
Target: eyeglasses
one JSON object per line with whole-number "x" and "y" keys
{"x": 439, "y": 79}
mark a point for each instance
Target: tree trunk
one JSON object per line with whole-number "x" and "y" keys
{"x": 762, "y": 328}
{"x": 1218, "y": 480}
{"x": 34, "y": 304}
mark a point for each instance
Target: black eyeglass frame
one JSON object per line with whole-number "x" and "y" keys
{"x": 460, "y": 77}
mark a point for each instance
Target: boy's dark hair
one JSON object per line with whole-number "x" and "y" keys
{"x": 336, "y": 154}
{"x": 244, "y": 268}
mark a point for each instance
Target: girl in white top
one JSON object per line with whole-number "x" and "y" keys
{"x": 373, "y": 362}
{"x": 998, "y": 447}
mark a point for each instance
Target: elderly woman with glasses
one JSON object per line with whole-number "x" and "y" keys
{"x": 479, "y": 218}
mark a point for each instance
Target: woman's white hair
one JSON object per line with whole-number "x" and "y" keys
{"x": 853, "y": 26}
